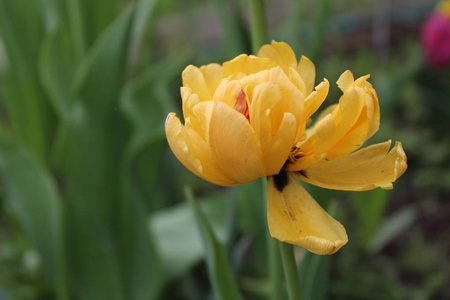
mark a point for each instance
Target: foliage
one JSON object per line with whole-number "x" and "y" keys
{"x": 92, "y": 203}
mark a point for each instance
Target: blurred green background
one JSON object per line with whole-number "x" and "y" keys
{"x": 92, "y": 201}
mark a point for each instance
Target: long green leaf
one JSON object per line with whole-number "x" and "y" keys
{"x": 88, "y": 20}
{"x": 88, "y": 157}
{"x": 219, "y": 270}
{"x": 33, "y": 197}
{"x": 28, "y": 109}
{"x": 392, "y": 227}
{"x": 369, "y": 207}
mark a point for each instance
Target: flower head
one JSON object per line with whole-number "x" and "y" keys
{"x": 435, "y": 36}
{"x": 249, "y": 118}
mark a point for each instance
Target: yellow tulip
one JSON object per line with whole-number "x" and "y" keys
{"x": 248, "y": 119}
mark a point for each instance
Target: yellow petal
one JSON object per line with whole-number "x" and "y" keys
{"x": 296, "y": 79}
{"x": 250, "y": 82}
{"x": 176, "y": 137}
{"x": 265, "y": 96}
{"x": 365, "y": 169}
{"x": 246, "y": 64}
{"x": 210, "y": 169}
{"x": 193, "y": 152}
{"x": 193, "y": 78}
{"x": 275, "y": 148}
{"x": 280, "y": 53}
{"x": 189, "y": 101}
{"x": 213, "y": 75}
{"x": 373, "y": 112}
{"x": 234, "y": 142}
{"x": 345, "y": 81}
{"x": 281, "y": 144}
{"x": 316, "y": 98}
{"x": 227, "y": 92}
{"x": 291, "y": 101}
{"x": 296, "y": 218}
{"x": 307, "y": 71}
{"x": 324, "y": 133}
{"x": 351, "y": 141}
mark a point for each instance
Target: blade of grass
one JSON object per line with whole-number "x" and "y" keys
{"x": 219, "y": 269}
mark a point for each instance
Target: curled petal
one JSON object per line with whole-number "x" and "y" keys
{"x": 316, "y": 98}
{"x": 365, "y": 169}
{"x": 296, "y": 218}
{"x": 345, "y": 81}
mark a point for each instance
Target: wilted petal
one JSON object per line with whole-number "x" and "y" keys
{"x": 368, "y": 168}
{"x": 295, "y": 217}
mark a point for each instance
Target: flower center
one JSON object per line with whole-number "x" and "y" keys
{"x": 241, "y": 105}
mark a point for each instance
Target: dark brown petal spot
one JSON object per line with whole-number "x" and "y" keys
{"x": 281, "y": 180}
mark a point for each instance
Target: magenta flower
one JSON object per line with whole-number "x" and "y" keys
{"x": 435, "y": 38}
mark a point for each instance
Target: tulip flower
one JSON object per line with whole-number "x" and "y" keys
{"x": 435, "y": 36}
{"x": 251, "y": 118}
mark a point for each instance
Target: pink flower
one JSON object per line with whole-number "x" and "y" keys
{"x": 435, "y": 38}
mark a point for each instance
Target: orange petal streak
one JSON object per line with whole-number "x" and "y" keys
{"x": 241, "y": 105}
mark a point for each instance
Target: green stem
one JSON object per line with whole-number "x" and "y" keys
{"x": 290, "y": 271}
{"x": 258, "y": 24}
{"x": 320, "y": 30}
{"x": 275, "y": 268}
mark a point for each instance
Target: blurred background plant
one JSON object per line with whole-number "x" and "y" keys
{"x": 92, "y": 201}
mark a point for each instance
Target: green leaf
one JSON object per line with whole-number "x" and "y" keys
{"x": 219, "y": 269}
{"x": 392, "y": 227}
{"x": 88, "y": 20}
{"x": 143, "y": 274}
{"x": 177, "y": 238}
{"x": 28, "y": 109}
{"x": 314, "y": 276}
{"x": 369, "y": 207}
{"x": 33, "y": 197}
{"x": 57, "y": 68}
{"x": 89, "y": 151}
{"x": 145, "y": 9}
